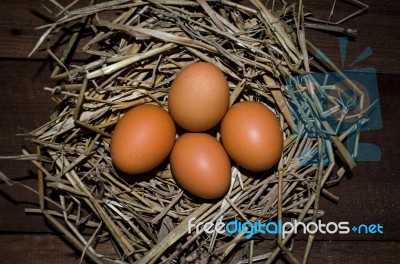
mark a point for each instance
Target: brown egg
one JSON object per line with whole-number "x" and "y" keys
{"x": 200, "y": 165}
{"x": 142, "y": 139}
{"x": 252, "y": 136}
{"x": 199, "y": 97}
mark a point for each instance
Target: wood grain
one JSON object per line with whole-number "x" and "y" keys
{"x": 377, "y": 29}
{"x": 19, "y": 33}
{"x": 24, "y": 106}
{"x": 40, "y": 249}
{"x": 370, "y": 195}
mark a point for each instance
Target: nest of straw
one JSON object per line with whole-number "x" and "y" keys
{"x": 134, "y": 57}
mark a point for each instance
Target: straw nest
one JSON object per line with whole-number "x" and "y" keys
{"x": 134, "y": 57}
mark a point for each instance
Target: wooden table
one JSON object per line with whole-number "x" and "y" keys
{"x": 370, "y": 195}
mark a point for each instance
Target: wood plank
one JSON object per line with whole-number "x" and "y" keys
{"x": 378, "y": 29}
{"x": 333, "y": 252}
{"x": 18, "y": 33}
{"x": 354, "y": 252}
{"x": 39, "y": 249}
{"x": 371, "y": 195}
{"x": 24, "y": 106}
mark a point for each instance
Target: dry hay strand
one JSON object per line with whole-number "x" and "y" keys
{"x": 134, "y": 57}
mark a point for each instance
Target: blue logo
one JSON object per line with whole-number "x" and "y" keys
{"x": 342, "y": 103}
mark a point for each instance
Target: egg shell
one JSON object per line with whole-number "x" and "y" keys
{"x": 200, "y": 165}
{"x": 142, "y": 139}
{"x": 199, "y": 97}
{"x": 252, "y": 136}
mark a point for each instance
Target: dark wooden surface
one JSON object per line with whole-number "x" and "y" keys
{"x": 50, "y": 249}
{"x": 370, "y": 195}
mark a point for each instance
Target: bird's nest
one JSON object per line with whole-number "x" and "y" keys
{"x": 136, "y": 49}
